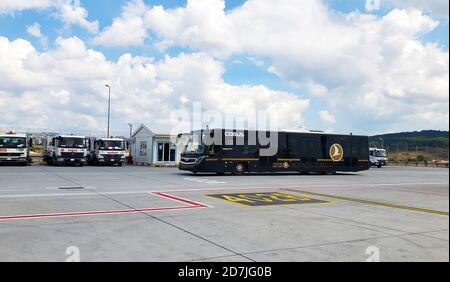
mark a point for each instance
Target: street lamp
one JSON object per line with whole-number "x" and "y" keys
{"x": 382, "y": 143}
{"x": 109, "y": 108}
{"x": 131, "y": 129}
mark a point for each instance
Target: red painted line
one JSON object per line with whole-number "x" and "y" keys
{"x": 178, "y": 199}
{"x": 191, "y": 205}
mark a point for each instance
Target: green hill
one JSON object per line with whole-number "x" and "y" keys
{"x": 430, "y": 138}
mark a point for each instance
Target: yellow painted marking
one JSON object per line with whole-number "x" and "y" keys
{"x": 266, "y": 199}
{"x": 370, "y": 202}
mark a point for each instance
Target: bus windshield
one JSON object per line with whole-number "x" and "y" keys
{"x": 194, "y": 146}
{"x": 111, "y": 145}
{"x": 13, "y": 142}
{"x": 69, "y": 142}
{"x": 381, "y": 153}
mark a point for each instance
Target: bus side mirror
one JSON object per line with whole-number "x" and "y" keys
{"x": 30, "y": 142}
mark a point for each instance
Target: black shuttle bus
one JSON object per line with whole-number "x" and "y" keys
{"x": 239, "y": 151}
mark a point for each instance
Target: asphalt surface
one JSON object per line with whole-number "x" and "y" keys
{"x": 163, "y": 214}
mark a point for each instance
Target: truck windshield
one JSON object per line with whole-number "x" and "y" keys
{"x": 111, "y": 145}
{"x": 381, "y": 153}
{"x": 13, "y": 142}
{"x": 68, "y": 142}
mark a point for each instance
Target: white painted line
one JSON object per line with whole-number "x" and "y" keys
{"x": 220, "y": 189}
{"x": 71, "y": 194}
{"x": 204, "y": 180}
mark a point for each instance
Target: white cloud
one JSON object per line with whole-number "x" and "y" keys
{"x": 373, "y": 5}
{"x": 372, "y": 72}
{"x": 438, "y": 8}
{"x": 70, "y": 12}
{"x": 10, "y": 6}
{"x": 35, "y": 31}
{"x": 66, "y": 85}
{"x": 327, "y": 117}
{"x": 76, "y": 15}
{"x": 376, "y": 66}
{"x": 126, "y": 30}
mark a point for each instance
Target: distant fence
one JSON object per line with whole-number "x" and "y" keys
{"x": 420, "y": 164}
{"x": 55, "y": 131}
{"x": 426, "y": 155}
{"x": 40, "y": 135}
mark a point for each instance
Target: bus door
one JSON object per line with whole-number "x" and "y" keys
{"x": 214, "y": 157}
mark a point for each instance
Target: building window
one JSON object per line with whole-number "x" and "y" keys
{"x": 143, "y": 148}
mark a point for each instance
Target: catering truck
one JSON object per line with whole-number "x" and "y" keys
{"x": 244, "y": 151}
{"x": 378, "y": 157}
{"x": 66, "y": 149}
{"x": 14, "y": 148}
{"x": 106, "y": 151}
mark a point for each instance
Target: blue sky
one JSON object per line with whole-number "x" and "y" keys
{"x": 254, "y": 66}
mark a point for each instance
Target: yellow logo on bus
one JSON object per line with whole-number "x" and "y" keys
{"x": 336, "y": 152}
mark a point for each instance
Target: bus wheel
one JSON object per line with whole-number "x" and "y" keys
{"x": 239, "y": 169}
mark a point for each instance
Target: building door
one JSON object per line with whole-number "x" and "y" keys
{"x": 166, "y": 152}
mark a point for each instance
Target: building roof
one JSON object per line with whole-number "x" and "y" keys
{"x": 142, "y": 127}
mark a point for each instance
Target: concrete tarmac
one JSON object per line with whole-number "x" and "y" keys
{"x": 134, "y": 213}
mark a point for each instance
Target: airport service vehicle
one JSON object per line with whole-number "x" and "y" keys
{"x": 15, "y": 148}
{"x": 106, "y": 151}
{"x": 240, "y": 151}
{"x": 378, "y": 157}
{"x": 66, "y": 149}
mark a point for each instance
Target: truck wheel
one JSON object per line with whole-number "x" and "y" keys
{"x": 239, "y": 169}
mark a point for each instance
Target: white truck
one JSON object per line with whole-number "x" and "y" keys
{"x": 66, "y": 149}
{"x": 14, "y": 148}
{"x": 106, "y": 151}
{"x": 378, "y": 157}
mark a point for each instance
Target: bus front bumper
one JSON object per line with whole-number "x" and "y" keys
{"x": 187, "y": 167}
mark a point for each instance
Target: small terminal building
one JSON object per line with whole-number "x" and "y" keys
{"x": 149, "y": 148}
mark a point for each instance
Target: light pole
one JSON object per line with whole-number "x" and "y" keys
{"x": 109, "y": 108}
{"x": 131, "y": 129}
{"x": 382, "y": 143}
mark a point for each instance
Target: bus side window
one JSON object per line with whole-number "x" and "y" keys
{"x": 323, "y": 143}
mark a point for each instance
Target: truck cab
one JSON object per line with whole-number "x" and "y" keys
{"x": 14, "y": 148}
{"x": 378, "y": 157}
{"x": 66, "y": 149}
{"x": 106, "y": 151}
